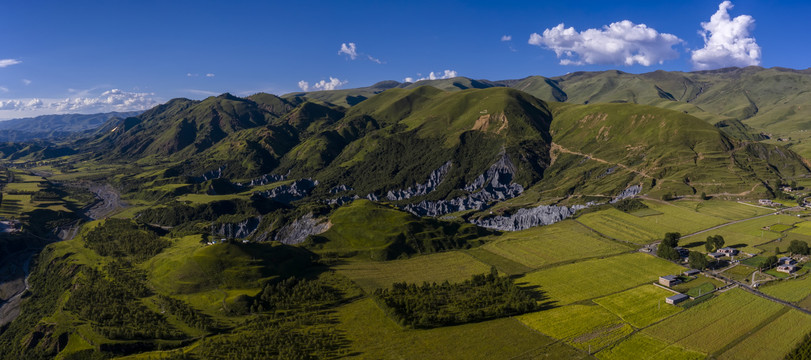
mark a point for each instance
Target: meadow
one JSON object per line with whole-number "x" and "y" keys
{"x": 453, "y": 266}
{"x": 594, "y": 278}
{"x": 560, "y": 242}
{"x": 729, "y": 210}
{"x": 586, "y": 327}
{"x": 640, "y": 306}
{"x": 710, "y": 326}
{"x": 793, "y": 290}
{"x": 641, "y": 346}
{"x": 744, "y": 236}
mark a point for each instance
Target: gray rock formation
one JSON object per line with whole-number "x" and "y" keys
{"x": 213, "y": 174}
{"x": 298, "y": 231}
{"x": 496, "y": 184}
{"x": 434, "y": 179}
{"x": 299, "y": 189}
{"x": 342, "y": 200}
{"x": 264, "y": 180}
{"x": 527, "y": 218}
{"x": 240, "y": 230}
{"x": 631, "y": 191}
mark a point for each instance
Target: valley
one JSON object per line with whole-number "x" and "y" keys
{"x": 451, "y": 218}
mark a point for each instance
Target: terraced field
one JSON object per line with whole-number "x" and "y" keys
{"x": 773, "y": 340}
{"x": 594, "y": 278}
{"x": 710, "y": 326}
{"x": 452, "y": 266}
{"x": 544, "y": 245}
{"x": 586, "y": 327}
{"x": 640, "y": 306}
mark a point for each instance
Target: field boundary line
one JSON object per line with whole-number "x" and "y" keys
{"x": 780, "y": 312}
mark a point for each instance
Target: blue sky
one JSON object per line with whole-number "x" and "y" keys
{"x": 92, "y": 56}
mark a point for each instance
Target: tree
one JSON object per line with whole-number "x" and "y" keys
{"x": 798, "y": 247}
{"x": 665, "y": 251}
{"x": 777, "y": 250}
{"x": 704, "y": 196}
{"x": 710, "y": 244}
{"x": 698, "y": 260}
{"x": 770, "y": 261}
{"x": 714, "y": 242}
{"x": 671, "y": 239}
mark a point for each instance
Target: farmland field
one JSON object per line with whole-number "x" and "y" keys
{"x": 375, "y": 336}
{"x": 729, "y": 210}
{"x": 619, "y": 225}
{"x": 598, "y": 277}
{"x": 711, "y": 325}
{"x": 543, "y": 245}
{"x": 640, "y": 306}
{"x": 582, "y": 326}
{"x": 452, "y": 266}
{"x": 792, "y": 290}
{"x": 784, "y": 242}
{"x": 745, "y": 235}
{"x": 803, "y": 228}
{"x": 774, "y": 340}
{"x": 501, "y": 263}
{"x": 740, "y": 272}
{"x": 641, "y": 346}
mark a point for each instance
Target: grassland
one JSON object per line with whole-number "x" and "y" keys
{"x": 640, "y": 306}
{"x": 586, "y": 327}
{"x": 453, "y": 266}
{"x": 375, "y": 336}
{"x": 773, "y": 340}
{"x": 803, "y": 228}
{"x": 594, "y": 278}
{"x": 560, "y": 242}
{"x": 728, "y": 210}
{"x": 793, "y": 290}
{"x": 740, "y": 272}
{"x": 710, "y": 326}
{"x": 641, "y": 346}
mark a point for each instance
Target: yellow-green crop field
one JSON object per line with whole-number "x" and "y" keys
{"x": 803, "y": 228}
{"x": 774, "y": 340}
{"x": 729, "y": 210}
{"x": 792, "y": 290}
{"x": 374, "y": 335}
{"x": 453, "y": 266}
{"x": 640, "y": 306}
{"x": 744, "y": 235}
{"x": 619, "y": 225}
{"x": 582, "y": 326}
{"x": 710, "y": 326}
{"x": 560, "y": 242}
{"x": 641, "y": 346}
{"x": 594, "y": 278}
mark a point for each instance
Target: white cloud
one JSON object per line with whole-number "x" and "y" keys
{"x": 372, "y": 59}
{"x": 192, "y": 75}
{"x": 350, "y": 50}
{"x": 726, "y": 41}
{"x": 210, "y": 75}
{"x": 8, "y": 62}
{"x": 620, "y": 43}
{"x": 26, "y": 82}
{"x": 447, "y": 74}
{"x": 332, "y": 84}
{"x": 507, "y": 38}
{"x": 111, "y": 100}
{"x": 3, "y": 89}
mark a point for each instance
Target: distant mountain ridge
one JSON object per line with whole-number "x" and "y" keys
{"x": 55, "y": 126}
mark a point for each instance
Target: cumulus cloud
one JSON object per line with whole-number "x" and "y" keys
{"x": 447, "y": 74}
{"x": 26, "y": 82}
{"x": 332, "y": 84}
{"x": 506, "y": 38}
{"x": 110, "y": 100}
{"x": 726, "y": 41}
{"x": 620, "y": 43}
{"x": 210, "y": 75}
{"x": 8, "y": 62}
{"x": 350, "y": 50}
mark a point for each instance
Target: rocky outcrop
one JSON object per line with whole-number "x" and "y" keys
{"x": 240, "y": 230}
{"x": 264, "y": 180}
{"x": 286, "y": 194}
{"x": 527, "y": 218}
{"x": 213, "y": 174}
{"x": 340, "y": 188}
{"x": 631, "y": 191}
{"x": 342, "y": 200}
{"x": 496, "y": 184}
{"x": 434, "y": 179}
{"x": 298, "y": 231}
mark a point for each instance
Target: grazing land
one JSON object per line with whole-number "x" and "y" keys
{"x": 712, "y": 325}
{"x": 594, "y": 278}
{"x": 560, "y": 242}
{"x": 453, "y": 266}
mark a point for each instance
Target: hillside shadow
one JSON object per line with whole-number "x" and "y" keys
{"x": 544, "y": 301}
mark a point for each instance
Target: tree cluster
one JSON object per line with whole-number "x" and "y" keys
{"x": 802, "y": 351}
{"x": 698, "y": 260}
{"x": 629, "y": 205}
{"x": 798, "y": 247}
{"x": 431, "y": 305}
{"x": 667, "y": 248}
{"x": 714, "y": 243}
{"x": 288, "y": 294}
{"x": 189, "y": 315}
{"x": 124, "y": 238}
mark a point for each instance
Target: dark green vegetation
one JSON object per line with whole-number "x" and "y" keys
{"x": 666, "y": 248}
{"x": 480, "y": 298}
{"x": 123, "y": 238}
{"x": 802, "y": 351}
